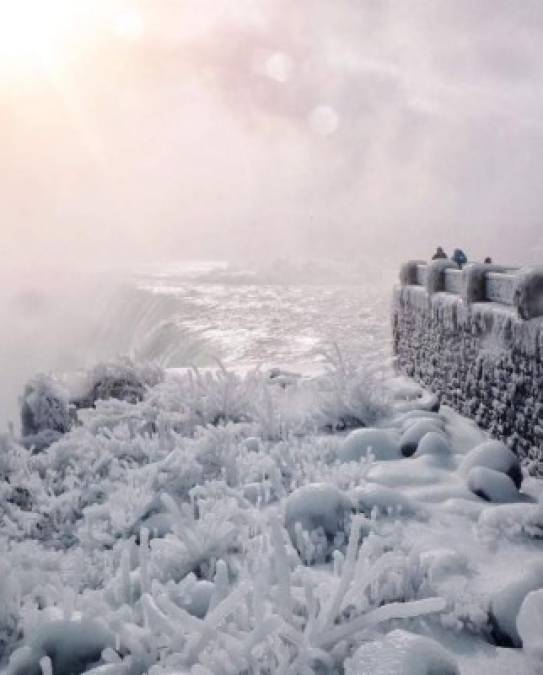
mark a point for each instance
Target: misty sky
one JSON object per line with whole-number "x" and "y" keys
{"x": 205, "y": 128}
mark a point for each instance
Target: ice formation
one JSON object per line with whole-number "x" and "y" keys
{"x": 227, "y": 524}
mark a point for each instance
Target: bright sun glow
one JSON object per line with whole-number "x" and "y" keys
{"x": 40, "y": 35}
{"x": 32, "y": 32}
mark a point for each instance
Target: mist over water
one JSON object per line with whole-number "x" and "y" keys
{"x": 358, "y": 132}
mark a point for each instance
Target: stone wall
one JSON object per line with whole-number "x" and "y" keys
{"x": 478, "y": 355}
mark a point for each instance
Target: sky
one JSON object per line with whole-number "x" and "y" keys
{"x": 246, "y": 129}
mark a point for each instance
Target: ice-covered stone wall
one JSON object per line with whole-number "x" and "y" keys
{"x": 475, "y": 338}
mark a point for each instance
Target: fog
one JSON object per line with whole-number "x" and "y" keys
{"x": 250, "y": 129}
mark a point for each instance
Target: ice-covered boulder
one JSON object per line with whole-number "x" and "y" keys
{"x": 434, "y": 444}
{"x": 45, "y": 412}
{"x": 412, "y": 436}
{"x": 381, "y": 443}
{"x": 317, "y": 518}
{"x": 401, "y": 653}
{"x": 382, "y": 500}
{"x": 72, "y": 647}
{"x": 506, "y": 603}
{"x": 493, "y": 455}
{"x": 493, "y": 486}
{"x": 530, "y": 621}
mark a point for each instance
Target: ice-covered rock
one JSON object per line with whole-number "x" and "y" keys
{"x": 530, "y": 621}
{"x": 434, "y": 444}
{"x": 321, "y": 512}
{"x": 45, "y": 411}
{"x": 72, "y": 647}
{"x": 382, "y": 445}
{"x": 493, "y": 486}
{"x": 412, "y": 436}
{"x": 402, "y": 653}
{"x": 383, "y": 500}
{"x": 493, "y": 455}
{"x": 506, "y": 603}
{"x": 123, "y": 381}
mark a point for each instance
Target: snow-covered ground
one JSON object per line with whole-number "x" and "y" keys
{"x": 257, "y": 521}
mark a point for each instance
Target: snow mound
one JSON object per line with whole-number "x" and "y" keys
{"x": 439, "y": 564}
{"x": 372, "y": 498}
{"x": 412, "y": 436}
{"x": 382, "y": 445}
{"x": 493, "y": 455}
{"x": 72, "y": 646}
{"x": 402, "y": 653}
{"x": 317, "y": 518}
{"x": 491, "y": 485}
{"x": 530, "y": 620}
{"x": 505, "y": 605}
{"x": 512, "y": 521}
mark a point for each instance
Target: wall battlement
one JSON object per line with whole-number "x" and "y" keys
{"x": 475, "y": 337}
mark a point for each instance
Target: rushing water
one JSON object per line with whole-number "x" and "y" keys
{"x": 191, "y": 315}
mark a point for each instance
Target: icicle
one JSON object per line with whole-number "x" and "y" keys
{"x": 339, "y": 560}
{"x": 394, "y": 610}
{"x": 282, "y": 569}
{"x": 221, "y": 584}
{"x": 46, "y": 666}
{"x": 144, "y": 559}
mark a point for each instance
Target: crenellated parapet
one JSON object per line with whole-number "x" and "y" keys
{"x": 475, "y": 337}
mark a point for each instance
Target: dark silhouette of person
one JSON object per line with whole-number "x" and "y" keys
{"x": 440, "y": 253}
{"x": 488, "y": 260}
{"x": 459, "y": 257}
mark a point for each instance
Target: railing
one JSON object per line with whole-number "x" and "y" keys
{"x": 519, "y": 288}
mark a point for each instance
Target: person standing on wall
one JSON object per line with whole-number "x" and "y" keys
{"x": 440, "y": 253}
{"x": 459, "y": 257}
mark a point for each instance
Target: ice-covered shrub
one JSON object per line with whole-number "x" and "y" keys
{"x": 45, "y": 412}
{"x": 512, "y": 521}
{"x": 360, "y": 443}
{"x": 124, "y": 381}
{"x": 402, "y": 653}
{"x": 372, "y": 499}
{"x": 318, "y": 520}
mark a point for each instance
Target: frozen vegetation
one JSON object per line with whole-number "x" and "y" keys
{"x": 212, "y": 522}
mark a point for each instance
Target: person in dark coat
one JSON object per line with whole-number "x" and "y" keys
{"x": 440, "y": 253}
{"x": 488, "y": 261}
{"x": 459, "y": 257}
